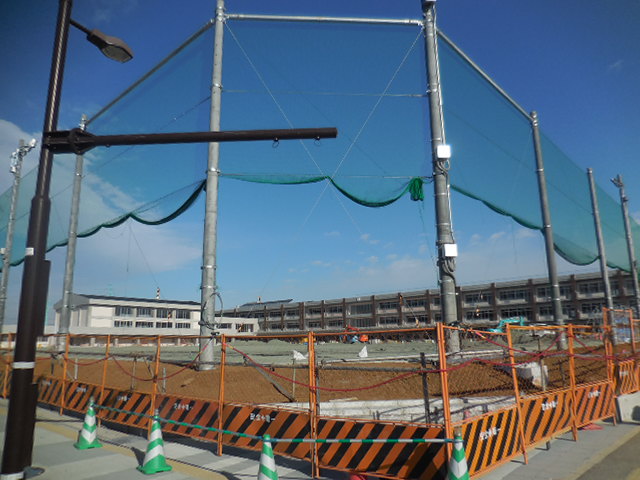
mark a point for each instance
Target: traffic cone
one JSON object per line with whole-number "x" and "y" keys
{"x": 88, "y": 436}
{"x": 458, "y": 463}
{"x": 267, "y": 462}
{"x": 154, "y": 461}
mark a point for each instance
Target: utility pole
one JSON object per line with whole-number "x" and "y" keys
{"x": 209, "y": 265}
{"x": 601, "y": 246}
{"x": 547, "y": 231}
{"x": 67, "y": 284}
{"x": 441, "y": 155}
{"x": 15, "y": 169}
{"x": 633, "y": 265}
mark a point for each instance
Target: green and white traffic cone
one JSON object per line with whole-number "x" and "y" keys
{"x": 267, "y": 462}
{"x": 154, "y": 461}
{"x": 88, "y": 436}
{"x": 458, "y": 463}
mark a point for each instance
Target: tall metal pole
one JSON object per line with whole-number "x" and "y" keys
{"x": 16, "y": 169}
{"x": 601, "y": 246}
{"x": 18, "y": 441}
{"x": 547, "y": 230}
{"x": 441, "y": 154}
{"x": 67, "y": 284}
{"x": 633, "y": 264}
{"x": 208, "y": 287}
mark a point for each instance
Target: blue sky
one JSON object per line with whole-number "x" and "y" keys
{"x": 574, "y": 62}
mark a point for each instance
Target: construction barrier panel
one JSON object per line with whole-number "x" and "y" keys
{"x": 394, "y": 460}
{"x": 626, "y": 375}
{"x": 509, "y": 390}
{"x": 491, "y": 439}
{"x": 546, "y": 415}
{"x": 594, "y": 402}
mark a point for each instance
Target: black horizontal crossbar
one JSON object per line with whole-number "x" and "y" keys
{"x": 79, "y": 141}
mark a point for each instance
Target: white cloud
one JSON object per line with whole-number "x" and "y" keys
{"x": 373, "y": 259}
{"x": 366, "y": 237}
{"x": 334, "y": 233}
{"x": 522, "y": 233}
{"x": 615, "y": 66}
{"x": 496, "y": 236}
{"x": 320, "y": 263}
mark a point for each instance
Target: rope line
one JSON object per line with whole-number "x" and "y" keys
{"x": 261, "y": 438}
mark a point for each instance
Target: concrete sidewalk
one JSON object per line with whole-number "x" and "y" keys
{"x": 122, "y": 453}
{"x": 597, "y": 454}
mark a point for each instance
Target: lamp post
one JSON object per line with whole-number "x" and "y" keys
{"x": 19, "y": 429}
{"x": 18, "y": 444}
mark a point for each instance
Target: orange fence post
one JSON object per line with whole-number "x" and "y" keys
{"x": 64, "y": 372}
{"x": 572, "y": 384}
{"x": 609, "y": 356}
{"x": 516, "y": 391}
{"x": 154, "y": 387}
{"x": 104, "y": 369}
{"x": 223, "y": 359}
{"x": 313, "y": 405}
{"x": 444, "y": 380}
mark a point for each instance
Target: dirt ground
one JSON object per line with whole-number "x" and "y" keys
{"x": 355, "y": 381}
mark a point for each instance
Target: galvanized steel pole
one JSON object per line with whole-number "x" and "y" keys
{"x": 547, "y": 230}
{"x": 633, "y": 264}
{"x": 440, "y": 151}
{"x": 209, "y": 287}
{"x": 16, "y": 169}
{"x": 601, "y": 246}
{"x": 67, "y": 284}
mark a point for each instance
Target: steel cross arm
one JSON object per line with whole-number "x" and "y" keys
{"x": 79, "y": 141}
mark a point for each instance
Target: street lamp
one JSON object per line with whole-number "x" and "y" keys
{"x": 18, "y": 444}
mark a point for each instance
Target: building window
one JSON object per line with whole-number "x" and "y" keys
{"x": 161, "y": 324}
{"x": 144, "y": 324}
{"x": 275, "y": 314}
{"x": 590, "y": 288}
{"x": 122, "y": 323}
{"x": 544, "y": 293}
{"x": 388, "y": 305}
{"x": 183, "y": 314}
{"x": 183, "y": 325}
{"x": 224, "y": 325}
{"x": 515, "y": 312}
{"x": 414, "y": 303}
{"x": 334, "y": 309}
{"x": 479, "y": 315}
{"x": 144, "y": 312}
{"x": 123, "y": 311}
{"x": 291, "y": 313}
{"x": 436, "y": 301}
{"x": 362, "y": 309}
{"x": 314, "y": 311}
{"x": 473, "y": 298}
{"x": 592, "y": 308}
{"x": 163, "y": 313}
{"x": 362, "y": 322}
{"x": 314, "y": 324}
{"x": 293, "y": 326}
{"x": 334, "y": 323}
{"x": 545, "y": 310}
{"x": 248, "y": 327}
{"x": 388, "y": 320}
{"x": 520, "y": 294}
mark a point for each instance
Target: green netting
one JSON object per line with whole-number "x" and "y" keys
{"x": 368, "y": 81}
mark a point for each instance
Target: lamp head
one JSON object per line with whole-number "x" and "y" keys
{"x": 112, "y": 47}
